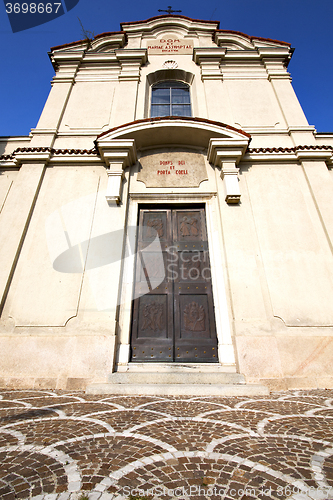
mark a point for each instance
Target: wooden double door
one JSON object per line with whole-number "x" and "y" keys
{"x": 173, "y": 313}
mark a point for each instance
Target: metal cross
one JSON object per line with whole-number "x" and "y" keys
{"x": 169, "y": 10}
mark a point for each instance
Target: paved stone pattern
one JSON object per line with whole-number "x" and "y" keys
{"x": 57, "y": 445}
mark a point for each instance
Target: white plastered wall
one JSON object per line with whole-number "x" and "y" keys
{"x": 60, "y": 317}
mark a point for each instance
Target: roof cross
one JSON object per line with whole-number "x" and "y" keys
{"x": 169, "y": 10}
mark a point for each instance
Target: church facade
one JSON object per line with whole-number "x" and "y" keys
{"x": 171, "y": 211}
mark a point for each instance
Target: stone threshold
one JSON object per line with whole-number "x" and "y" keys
{"x": 176, "y": 367}
{"x": 172, "y": 377}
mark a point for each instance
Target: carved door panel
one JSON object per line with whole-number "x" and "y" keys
{"x": 173, "y": 316}
{"x": 152, "y": 327}
{"x": 194, "y": 322}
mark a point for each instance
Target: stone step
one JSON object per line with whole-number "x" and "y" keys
{"x": 156, "y": 377}
{"x": 177, "y": 367}
{"x": 178, "y": 389}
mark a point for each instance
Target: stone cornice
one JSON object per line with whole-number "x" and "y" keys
{"x": 208, "y": 53}
{"x": 67, "y": 61}
{"x": 209, "y": 60}
{"x": 226, "y": 155}
{"x": 290, "y": 150}
{"x": 137, "y": 55}
{"x": 117, "y": 151}
{"x": 46, "y": 155}
{"x": 131, "y": 61}
{"x": 226, "y": 150}
{"x": 293, "y": 154}
{"x": 274, "y": 59}
{"x": 301, "y": 152}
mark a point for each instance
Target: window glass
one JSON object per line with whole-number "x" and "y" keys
{"x": 170, "y": 98}
{"x": 179, "y": 110}
{"x": 178, "y": 96}
{"x": 160, "y": 110}
{"x": 160, "y": 96}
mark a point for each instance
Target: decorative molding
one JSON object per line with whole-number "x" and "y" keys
{"x": 209, "y": 60}
{"x": 66, "y": 64}
{"x": 290, "y": 150}
{"x": 117, "y": 155}
{"x": 131, "y": 61}
{"x": 245, "y": 41}
{"x": 163, "y": 197}
{"x": 308, "y": 151}
{"x": 121, "y": 151}
{"x": 45, "y": 154}
{"x": 226, "y": 154}
{"x": 292, "y": 154}
{"x": 32, "y": 156}
{"x": 170, "y": 21}
{"x": 226, "y": 150}
{"x": 176, "y": 123}
{"x": 113, "y": 190}
{"x": 170, "y": 64}
{"x": 170, "y": 74}
{"x": 276, "y": 154}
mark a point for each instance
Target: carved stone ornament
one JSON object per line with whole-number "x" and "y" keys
{"x": 170, "y": 64}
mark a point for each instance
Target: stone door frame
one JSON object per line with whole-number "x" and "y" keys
{"x": 226, "y": 353}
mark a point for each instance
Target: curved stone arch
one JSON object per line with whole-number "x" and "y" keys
{"x": 184, "y": 130}
{"x": 170, "y": 74}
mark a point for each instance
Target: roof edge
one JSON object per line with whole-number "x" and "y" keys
{"x": 78, "y": 42}
{"x": 249, "y": 37}
{"x": 172, "y": 16}
{"x": 168, "y": 16}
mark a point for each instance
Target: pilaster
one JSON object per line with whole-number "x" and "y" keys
{"x": 130, "y": 62}
{"x": 209, "y": 60}
{"x": 67, "y": 65}
{"x": 17, "y": 212}
{"x": 319, "y": 180}
{"x": 275, "y": 61}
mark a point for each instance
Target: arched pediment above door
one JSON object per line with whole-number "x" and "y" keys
{"x": 173, "y": 130}
{"x": 225, "y": 146}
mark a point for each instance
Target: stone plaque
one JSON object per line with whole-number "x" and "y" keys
{"x": 172, "y": 169}
{"x": 170, "y": 45}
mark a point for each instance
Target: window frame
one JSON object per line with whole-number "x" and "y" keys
{"x": 181, "y": 85}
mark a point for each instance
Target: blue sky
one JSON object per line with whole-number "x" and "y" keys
{"x": 26, "y": 70}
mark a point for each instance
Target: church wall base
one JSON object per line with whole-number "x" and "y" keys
{"x": 287, "y": 362}
{"x": 64, "y": 362}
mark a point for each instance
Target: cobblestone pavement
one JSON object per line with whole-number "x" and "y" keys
{"x": 63, "y": 446}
